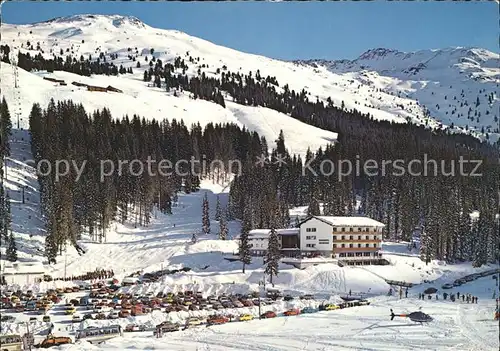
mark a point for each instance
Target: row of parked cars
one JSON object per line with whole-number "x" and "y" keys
{"x": 28, "y": 301}
{"x": 218, "y": 319}
{"x": 471, "y": 277}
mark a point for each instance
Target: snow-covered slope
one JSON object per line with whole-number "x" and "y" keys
{"x": 452, "y": 84}
{"x": 347, "y": 83}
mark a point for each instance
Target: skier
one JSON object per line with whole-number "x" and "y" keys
{"x": 349, "y": 292}
{"x": 406, "y": 293}
{"x": 463, "y": 297}
{"x": 445, "y": 295}
{"x": 458, "y": 295}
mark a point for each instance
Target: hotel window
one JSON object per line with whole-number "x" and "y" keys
{"x": 334, "y": 245}
{"x": 359, "y": 229}
{"x": 342, "y": 245}
{"x": 334, "y": 229}
{"x": 375, "y": 245}
{"x": 351, "y": 237}
{"x": 359, "y": 237}
{"x": 343, "y": 229}
{"x": 342, "y": 254}
{"x": 366, "y": 254}
{"x": 367, "y": 237}
{"x": 334, "y": 237}
{"x": 359, "y": 245}
{"x": 310, "y": 237}
{"x": 310, "y": 245}
{"x": 310, "y": 230}
{"x": 367, "y": 245}
{"x": 350, "y": 254}
{"x": 350, "y": 245}
{"x": 351, "y": 229}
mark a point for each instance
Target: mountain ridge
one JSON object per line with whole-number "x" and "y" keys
{"x": 386, "y": 83}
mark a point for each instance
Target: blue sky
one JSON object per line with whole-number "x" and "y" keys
{"x": 299, "y": 30}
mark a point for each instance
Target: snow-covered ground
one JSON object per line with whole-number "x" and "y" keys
{"x": 457, "y": 326}
{"x": 166, "y": 242}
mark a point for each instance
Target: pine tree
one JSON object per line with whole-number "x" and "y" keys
{"x": 273, "y": 254}
{"x": 217, "y": 210}
{"x": 223, "y": 227}
{"x": 205, "y": 216}
{"x": 244, "y": 245}
{"x": 313, "y": 209}
{"x": 11, "y": 253}
{"x": 3, "y": 217}
{"x": 297, "y": 222}
{"x": 5, "y": 132}
{"x": 7, "y": 220}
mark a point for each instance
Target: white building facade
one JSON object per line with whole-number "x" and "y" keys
{"x": 351, "y": 240}
{"x": 22, "y": 273}
{"x": 354, "y": 240}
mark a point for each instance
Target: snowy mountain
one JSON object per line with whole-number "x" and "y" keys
{"x": 166, "y": 241}
{"x": 386, "y": 84}
{"x": 457, "y": 86}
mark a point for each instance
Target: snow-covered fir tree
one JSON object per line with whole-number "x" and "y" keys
{"x": 313, "y": 209}
{"x": 3, "y": 217}
{"x": 273, "y": 253}
{"x": 6, "y": 222}
{"x": 218, "y": 209}
{"x": 297, "y": 222}
{"x": 11, "y": 253}
{"x": 244, "y": 244}
{"x": 223, "y": 231}
{"x": 205, "y": 216}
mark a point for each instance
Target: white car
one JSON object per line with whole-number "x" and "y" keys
{"x": 195, "y": 321}
{"x": 114, "y": 315}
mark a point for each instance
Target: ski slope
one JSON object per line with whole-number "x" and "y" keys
{"x": 398, "y": 98}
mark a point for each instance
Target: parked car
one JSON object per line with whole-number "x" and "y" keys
{"x": 76, "y": 318}
{"x": 292, "y": 312}
{"x": 195, "y": 321}
{"x": 7, "y": 319}
{"x": 245, "y": 317}
{"x": 288, "y": 298}
{"x": 447, "y": 286}
{"x": 268, "y": 314}
{"x": 308, "y": 310}
{"x": 135, "y": 328}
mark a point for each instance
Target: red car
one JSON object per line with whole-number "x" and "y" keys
{"x": 292, "y": 312}
{"x": 268, "y": 314}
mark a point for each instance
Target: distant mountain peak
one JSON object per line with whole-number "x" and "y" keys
{"x": 377, "y": 53}
{"x": 116, "y": 20}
